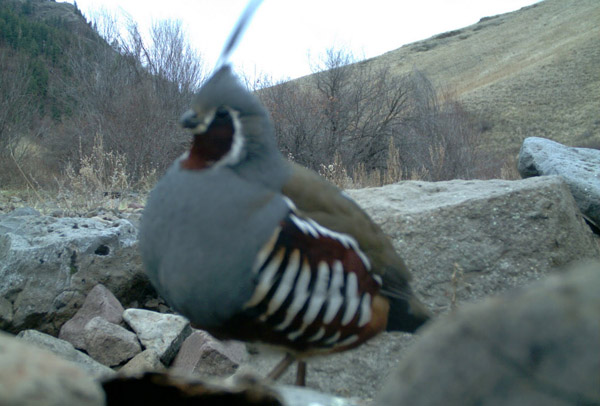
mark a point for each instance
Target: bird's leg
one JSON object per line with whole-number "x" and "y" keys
{"x": 281, "y": 367}
{"x": 301, "y": 374}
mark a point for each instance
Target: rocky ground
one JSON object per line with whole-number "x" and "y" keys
{"x": 500, "y": 263}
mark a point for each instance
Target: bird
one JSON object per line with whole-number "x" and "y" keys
{"x": 253, "y": 247}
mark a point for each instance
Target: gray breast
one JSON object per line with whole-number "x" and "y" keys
{"x": 201, "y": 231}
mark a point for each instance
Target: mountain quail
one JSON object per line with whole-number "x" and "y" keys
{"x": 250, "y": 246}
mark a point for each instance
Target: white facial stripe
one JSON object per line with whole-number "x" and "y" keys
{"x": 335, "y": 300}
{"x": 319, "y": 293}
{"x": 352, "y": 299}
{"x": 365, "y": 310}
{"x": 285, "y": 284}
{"x": 266, "y": 279}
{"x": 234, "y": 155}
{"x": 301, "y": 294}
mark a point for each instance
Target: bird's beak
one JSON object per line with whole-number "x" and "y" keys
{"x": 189, "y": 119}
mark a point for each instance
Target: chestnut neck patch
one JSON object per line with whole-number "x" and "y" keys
{"x": 211, "y": 146}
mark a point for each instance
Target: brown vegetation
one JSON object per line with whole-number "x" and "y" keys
{"x": 359, "y": 125}
{"x": 107, "y": 105}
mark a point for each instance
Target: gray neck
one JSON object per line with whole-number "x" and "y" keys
{"x": 265, "y": 166}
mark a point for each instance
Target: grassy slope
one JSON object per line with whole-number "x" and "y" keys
{"x": 532, "y": 72}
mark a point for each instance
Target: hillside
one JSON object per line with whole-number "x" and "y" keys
{"x": 65, "y": 91}
{"x": 532, "y": 72}
{"x": 68, "y": 99}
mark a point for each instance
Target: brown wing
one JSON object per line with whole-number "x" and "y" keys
{"x": 318, "y": 199}
{"x": 314, "y": 292}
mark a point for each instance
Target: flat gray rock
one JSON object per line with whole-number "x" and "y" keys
{"x": 48, "y": 265}
{"x": 465, "y": 240}
{"x": 36, "y": 377}
{"x": 580, "y": 167}
{"x": 536, "y": 346}
{"x": 66, "y": 351}
{"x": 164, "y": 333}
{"x": 109, "y": 343}
{"x": 100, "y": 302}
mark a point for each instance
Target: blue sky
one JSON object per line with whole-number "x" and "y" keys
{"x": 284, "y": 32}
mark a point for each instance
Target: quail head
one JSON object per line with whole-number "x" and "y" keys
{"x": 250, "y": 246}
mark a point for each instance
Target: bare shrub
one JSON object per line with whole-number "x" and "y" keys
{"x": 336, "y": 173}
{"x": 16, "y": 111}
{"x": 437, "y": 137}
{"x": 394, "y": 127}
{"x": 132, "y": 93}
{"x": 99, "y": 179}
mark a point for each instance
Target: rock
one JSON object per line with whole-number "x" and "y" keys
{"x": 99, "y": 302}
{"x": 35, "y": 377}
{"x": 464, "y": 240}
{"x": 24, "y": 211}
{"x": 6, "y": 313}
{"x": 161, "y": 332}
{"x": 537, "y": 346}
{"x": 65, "y": 350}
{"x": 580, "y": 167}
{"x": 48, "y": 265}
{"x": 109, "y": 343}
{"x": 203, "y": 355}
{"x": 145, "y": 361}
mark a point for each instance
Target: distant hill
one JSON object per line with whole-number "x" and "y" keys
{"x": 66, "y": 94}
{"x": 532, "y": 72}
{"x": 38, "y": 40}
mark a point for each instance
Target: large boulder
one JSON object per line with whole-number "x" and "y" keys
{"x": 66, "y": 351}
{"x": 580, "y": 167}
{"x": 464, "y": 240}
{"x": 539, "y": 346}
{"x": 35, "y": 377}
{"x": 48, "y": 265}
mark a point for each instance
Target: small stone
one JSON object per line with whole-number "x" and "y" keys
{"x": 201, "y": 354}
{"x": 6, "y": 312}
{"x": 24, "y": 211}
{"x": 145, "y": 361}
{"x": 109, "y": 343}
{"x": 163, "y": 333}
{"x": 99, "y": 302}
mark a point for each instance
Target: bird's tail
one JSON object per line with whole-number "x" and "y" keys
{"x": 406, "y": 314}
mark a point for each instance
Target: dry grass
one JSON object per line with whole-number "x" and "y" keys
{"x": 337, "y": 173}
{"x": 101, "y": 180}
